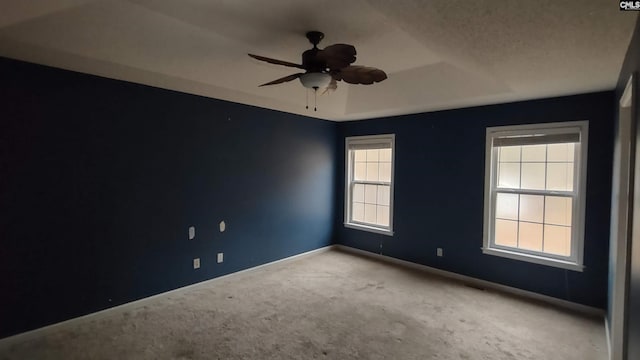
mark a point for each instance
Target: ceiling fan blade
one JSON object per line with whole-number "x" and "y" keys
{"x": 275, "y": 61}
{"x": 338, "y": 56}
{"x": 364, "y": 75}
{"x": 283, "y": 79}
{"x": 333, "y": 86}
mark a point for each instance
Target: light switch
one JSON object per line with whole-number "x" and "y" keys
{"x": 192, "y": 232}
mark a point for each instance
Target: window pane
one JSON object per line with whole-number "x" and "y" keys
{"x": 358, "y": 193}
{"x": 360, "y": 155}
{"x": 530, "y": 236}
{"x": 509, "y": 175}
{"x": 560, "y": 152}
{"x": 560, "y": 176}
{"x": 357, "y": 212}
{"x": 532, "y": 176}
{"x": 534, "y": 153}
{"x": 372, "y": 171}
{"x": 370, "y": 194}
{"x": 507, "y": 206}
{"x": 385, "y": 171}
{"x": 360, "y": 172}
{"x": 509, "y": 153}
{"x": 383, "y": 215}
{"x": 557, "y": 240}
{"x": 557, "y": 210}
{"x": 370, "y": 213}
{"x": 373, "y": 155}
{"x": 531, "y": 208}
{"x": 506, "y": 233}
{"x": 385, "y": 155}
{"x": 383, "y": 195}
{"x": 572, "y": 150}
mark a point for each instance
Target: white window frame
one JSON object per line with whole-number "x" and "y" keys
{"x": 575, "y": 260}
{"x": 349, "y": 169}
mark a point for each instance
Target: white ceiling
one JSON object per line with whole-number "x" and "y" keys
{"x": 439, "y": 54}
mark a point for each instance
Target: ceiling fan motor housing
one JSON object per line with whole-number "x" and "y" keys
{"x": 310, "y": 59}
{"x": 311, "y": 62}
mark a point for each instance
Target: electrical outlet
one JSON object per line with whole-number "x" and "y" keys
{"x": 220, "y": 257}
{"x": 196, "y": 263}
{"x": 439, "y": 252}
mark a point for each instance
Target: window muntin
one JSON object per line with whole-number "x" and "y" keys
{"x": 369, "y": 184}
{"x": 535, "y": 193}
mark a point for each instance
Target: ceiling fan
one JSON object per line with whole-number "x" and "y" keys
{"x": 325, "y": 67}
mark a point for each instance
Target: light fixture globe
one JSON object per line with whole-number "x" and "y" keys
{"x": 315, "y": 80}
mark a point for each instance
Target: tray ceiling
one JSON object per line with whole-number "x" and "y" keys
{"x": 439, "y": 54}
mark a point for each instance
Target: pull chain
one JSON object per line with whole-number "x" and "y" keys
{"x": 307, "y": 93}
{"x": 315, "y": 99}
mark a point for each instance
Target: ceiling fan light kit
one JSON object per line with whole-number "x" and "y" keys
{"x": 315, "y": 80}
{"x": 325, "y": 67}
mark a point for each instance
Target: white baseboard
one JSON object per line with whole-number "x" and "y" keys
{"x": 480, "y": 283}
{"x": 25, "y": 336}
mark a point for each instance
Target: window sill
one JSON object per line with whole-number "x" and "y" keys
{"x": 534, "y": 259}
{"x": 369, "y": 229}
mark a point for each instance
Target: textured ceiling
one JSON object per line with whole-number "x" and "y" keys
{"x": 439, "y": 54}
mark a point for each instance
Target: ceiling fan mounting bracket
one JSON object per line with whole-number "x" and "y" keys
{"x": 315, "y": 37}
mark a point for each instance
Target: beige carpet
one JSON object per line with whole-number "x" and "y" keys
{"x": 331, "y": 305}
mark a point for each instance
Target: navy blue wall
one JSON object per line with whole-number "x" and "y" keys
{"x": 439, "y": 192}
{"x": 100, "y": 179}
{"x": 630, "y": 66}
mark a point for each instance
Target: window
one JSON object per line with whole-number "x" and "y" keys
{"x": 369, "y": 183}
{"x": 535, "y": 193}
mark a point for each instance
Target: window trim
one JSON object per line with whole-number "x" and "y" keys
{"x": 573, "y": 262}
{"x": 364, "y": 140}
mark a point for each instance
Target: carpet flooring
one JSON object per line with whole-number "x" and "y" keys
{"x": 330, "y": 305}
